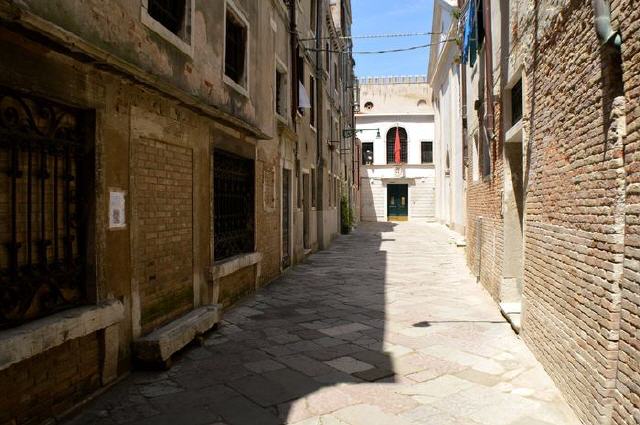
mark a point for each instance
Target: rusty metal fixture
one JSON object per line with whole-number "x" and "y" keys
{"x": 602, "y": 20}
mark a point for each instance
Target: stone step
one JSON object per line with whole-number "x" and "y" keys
{"x": 158, "y": 346}
{"x": 512, "y": 312}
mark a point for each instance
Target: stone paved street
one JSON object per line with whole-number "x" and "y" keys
{"x": 385, "y": 327}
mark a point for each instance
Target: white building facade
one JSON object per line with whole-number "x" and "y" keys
{"x": 392, "y": 190}
{"x": 444, "y": 78}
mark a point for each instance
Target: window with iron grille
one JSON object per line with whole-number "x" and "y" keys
{"x": 367, "y": 153}
{"x": 391, "y": 139}
{"x": 233, "y": 205}
{"x": 235, "y": 48}
{"x": 314, "y": 189}
{"x": 426, "y": 150}
{"x": 45, "y": 181}
{"x": 170, "y": 13}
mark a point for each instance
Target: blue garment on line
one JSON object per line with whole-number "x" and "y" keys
{"x": 469, "y": 28}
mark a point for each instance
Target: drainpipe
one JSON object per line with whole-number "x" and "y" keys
{"x": 320, "y": 17}
{"x": 293, "y": 41}
{"x": 489, "y": 120}
{"x": 602, "y": 12}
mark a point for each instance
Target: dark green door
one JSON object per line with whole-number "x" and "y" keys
{"x": 397, "y": 202}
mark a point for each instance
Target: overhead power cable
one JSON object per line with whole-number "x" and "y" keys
{"x": 366, "y": 36}
{"x": 379, "y": 52}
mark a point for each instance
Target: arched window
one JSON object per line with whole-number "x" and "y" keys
{"x": 391, "y": 141}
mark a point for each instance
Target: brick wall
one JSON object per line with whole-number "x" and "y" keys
{"x": 236, "y": 285}
{"x": 575, "y": 216}
{"x": 49, "y": 384}
{"x": 163, "y": 204}
{"x": 627, "y": 395}
{"x": 485, "y": 246}
{"x": 268, "y": 219}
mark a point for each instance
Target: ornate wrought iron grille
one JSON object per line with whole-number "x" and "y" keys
{"x": 42, "y": 268}
{"x": 391, "y": 138}
{"x": 170, "y": 13}
{"x": 233, "y": 195}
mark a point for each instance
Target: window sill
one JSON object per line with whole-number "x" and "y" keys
{"x": 158, "y": 28}
{"x": 29, "y": 340}
{"x": 231, "y": 265}
{"x": 313, "y": 128}
{"x": 237, "y": 87}
{"x": 514, "y": 134}
{"x": 282, "y": 118}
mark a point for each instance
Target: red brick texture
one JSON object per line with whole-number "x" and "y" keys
{"x": 51, "y": 383}
{"x": 581, "y": 292}
{"x": 627, "y": 394}
{"x": 163, "y": 202}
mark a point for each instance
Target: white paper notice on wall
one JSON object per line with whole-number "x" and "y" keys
{"x": 117, "y": 211}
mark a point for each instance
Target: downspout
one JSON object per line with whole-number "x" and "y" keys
{"x": 606, "y": 33}
{"x": 320, "y": 6}
{"x": 293, "y": 41}
{"x": 318, "y": 97}
{"x": 489, "y": 119}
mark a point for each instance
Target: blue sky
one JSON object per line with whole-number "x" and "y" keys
{"x": 391, "y": 16}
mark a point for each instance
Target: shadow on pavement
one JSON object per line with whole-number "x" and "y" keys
{"x": 322, "y": 323}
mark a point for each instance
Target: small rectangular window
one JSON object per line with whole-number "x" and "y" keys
{"x": 427, "y": 152}
{"x": 312, "y": 16}
{"x": 367, "y": 153}
{"x": 485, "y": 156}
{"x": 300, "y": 67}
{"x": 314, "y": 190}
{"x": 298, "y": 185}
{"x": 335, "y": 76}
{"x": 300, "y": 77}
{"x": 235, "y": 49}
{"x": 327, "y": 57}
{"x": 170, "y": 13}
{"x": 312, "y": 101}
{"x": 516, "y": 103}
{"x": 281, "y": 93}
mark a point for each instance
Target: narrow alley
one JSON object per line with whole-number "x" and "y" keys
{"x": 387, "y": 326}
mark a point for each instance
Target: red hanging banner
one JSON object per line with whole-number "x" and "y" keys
{"x": 396, "y": 148}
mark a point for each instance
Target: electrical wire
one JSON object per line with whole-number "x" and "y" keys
{"x": 379, "y": 52}
{"x": 368, "y": 36}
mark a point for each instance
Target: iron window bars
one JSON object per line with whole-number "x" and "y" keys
{"x": 233, "y": 194}
{"x": 426, "y": 152}
{"x": 391, "y": 138}
{"x": 42, "y": 227}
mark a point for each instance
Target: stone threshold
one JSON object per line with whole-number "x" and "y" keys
{"x": 512, "y": 312}
{"x": 158, "y": 347}
{"x": 29, "y": 340}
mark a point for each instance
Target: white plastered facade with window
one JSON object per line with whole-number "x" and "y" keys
{"x": 396, "y": 102}
{"x": 444, "y": 78}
